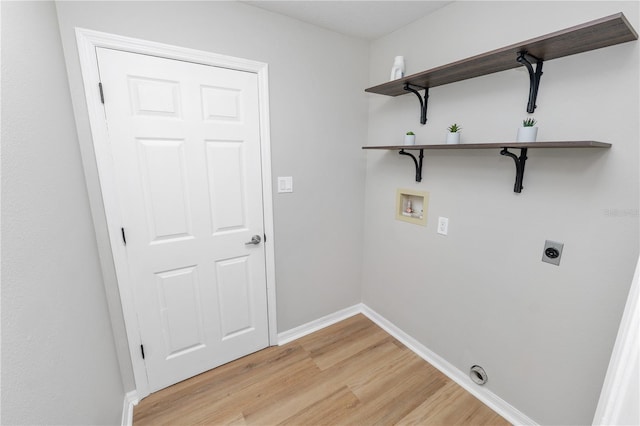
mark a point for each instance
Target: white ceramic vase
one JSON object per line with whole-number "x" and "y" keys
{"x": 397, "y": 71}
{"x": 527, "y": 134}
{"x": 409, "y": 139}
{"x": 453, "y": 138}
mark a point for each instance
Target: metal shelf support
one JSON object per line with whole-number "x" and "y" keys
{"x": 534, "y": 77}
{"x": 423, "y": 103}
{"x": 520, "y": 162}
{"x": 417, "y": 162}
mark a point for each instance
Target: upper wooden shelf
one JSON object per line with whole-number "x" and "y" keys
{"x": 607, "y": 31}
{"x": 493, "y": 145}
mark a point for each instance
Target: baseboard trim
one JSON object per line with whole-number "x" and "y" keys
{"x": 320, "y": 323}
{"x": 497, "y": 404}
{"x": 130, "y": 400}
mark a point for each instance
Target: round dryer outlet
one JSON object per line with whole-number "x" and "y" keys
{"x": 478, "y": 375}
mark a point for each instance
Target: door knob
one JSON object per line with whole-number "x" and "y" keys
{"x": 254, "y": 240}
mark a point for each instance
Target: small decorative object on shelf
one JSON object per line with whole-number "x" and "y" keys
{"x": 528, "y": 132}
{"x": 410, "y": 138}
{"x": 453, "y": 137}
{"x": 397, "y": 71}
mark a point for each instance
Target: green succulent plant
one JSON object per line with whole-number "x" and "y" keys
{"x": 410, "y": 133}
{"x": 529, "y": 122}
{"x": 454, "y": 128}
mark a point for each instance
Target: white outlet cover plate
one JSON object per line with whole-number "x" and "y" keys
{"x": 443, "y": 225}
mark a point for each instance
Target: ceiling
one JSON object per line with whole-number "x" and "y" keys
{"x": 363, "y": 19}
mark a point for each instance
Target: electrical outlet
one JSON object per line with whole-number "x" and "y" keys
{"x": 552, "y": 252}
{"x": 443, "y": 225}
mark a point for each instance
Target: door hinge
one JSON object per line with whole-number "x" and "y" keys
{"x": 265, "y": 237}
{"x": 124, "y": 237}
{"x": 142, "y": 350}
{"x": 101, "y": 93}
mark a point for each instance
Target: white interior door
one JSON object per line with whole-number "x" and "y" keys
{"x": 185, "y": 141}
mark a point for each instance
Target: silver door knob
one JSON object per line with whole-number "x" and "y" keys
{"x": 254, "y": 240}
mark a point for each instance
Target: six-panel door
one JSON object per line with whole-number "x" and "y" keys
{"x": 186, "y": 150}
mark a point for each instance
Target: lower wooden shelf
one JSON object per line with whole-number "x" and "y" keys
{"x": 493, "y": 145}
{"x": 504, "y": 150}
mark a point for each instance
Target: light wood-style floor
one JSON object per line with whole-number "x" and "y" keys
{"x": 351, "y": 373}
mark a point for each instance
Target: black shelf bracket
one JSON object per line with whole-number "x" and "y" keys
{"x": 417, "y": 162}
{"x": 423, "y": 103}
{"x": 520, "y": 162}
{"x": 534, "y": 77}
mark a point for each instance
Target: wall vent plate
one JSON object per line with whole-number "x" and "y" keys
{"x": 552, "y": 252}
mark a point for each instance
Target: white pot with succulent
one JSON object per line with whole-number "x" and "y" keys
{"x": 453, "y": 137}
{"x": 410, "y": 138}
{"x": 528, "y": 132}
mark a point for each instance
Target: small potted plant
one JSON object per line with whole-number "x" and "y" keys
{"x": 453, "y": 137}
{"x": 528, "y": 132}
{"x": 410, "y": 138}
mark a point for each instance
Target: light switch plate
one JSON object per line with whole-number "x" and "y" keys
{"x": 285, "y": 184}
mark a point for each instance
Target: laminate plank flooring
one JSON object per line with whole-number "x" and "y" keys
{"x": 351, "y": 373}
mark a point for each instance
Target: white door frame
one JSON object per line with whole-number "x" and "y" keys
{"x": 88, "y": 41}
{"x": 618, "y": 403}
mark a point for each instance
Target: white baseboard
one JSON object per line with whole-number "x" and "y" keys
{"x": 320, "y": 323}
{"x": 497, "y": 404}
{"x": 130, "y": 400}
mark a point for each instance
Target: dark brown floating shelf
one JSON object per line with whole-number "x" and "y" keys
{"x": 504, "y": 150}
{"x": 603, "y": 32}
{"x": 493, "y": 145}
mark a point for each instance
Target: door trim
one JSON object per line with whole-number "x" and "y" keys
{"x": 109, "y": 205}
{"x": 617, "y": 404}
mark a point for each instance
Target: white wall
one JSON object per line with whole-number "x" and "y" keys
{"x": 318, "y": 125}
{"x": 58, "y": 360}
{"x": 481, "y": 295}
